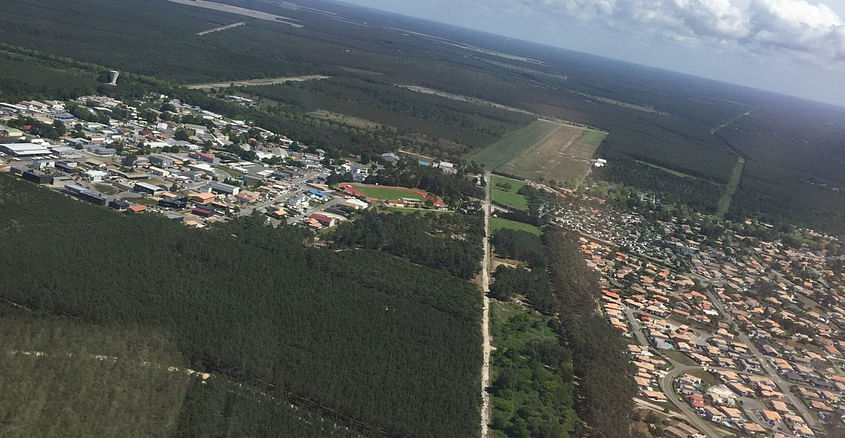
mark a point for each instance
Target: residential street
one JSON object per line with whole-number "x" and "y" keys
{"x": 666, "y": 381}
{"x": 783, "y": 385}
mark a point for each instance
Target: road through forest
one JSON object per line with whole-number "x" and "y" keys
{"x": 485, "y": 318}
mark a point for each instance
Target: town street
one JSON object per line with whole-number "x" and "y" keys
{"x": 764, "y": 361}
{"x": 666, "y": 381}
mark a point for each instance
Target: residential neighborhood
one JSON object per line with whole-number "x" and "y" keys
{"x": 737, "y": 334}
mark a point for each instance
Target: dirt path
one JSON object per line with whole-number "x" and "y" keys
{"x": 485, "y": 318}
{"x": 468, "y": 99}
{"x": 258, "y": 82}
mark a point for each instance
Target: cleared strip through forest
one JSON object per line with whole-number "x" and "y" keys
{"x": 730, "y": 190}
{"x": 222, "y": 28}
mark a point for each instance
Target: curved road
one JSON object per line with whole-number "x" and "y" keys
{"x": 666, "y": 381}
{"x": 782, "y": 384}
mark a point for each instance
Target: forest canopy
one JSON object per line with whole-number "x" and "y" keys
{"x": 385, "y": 345}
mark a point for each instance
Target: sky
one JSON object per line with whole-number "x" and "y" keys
{"x": 795, "y": 47}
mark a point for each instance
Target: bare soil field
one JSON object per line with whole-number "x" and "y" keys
{"x": 563, "y": 153}
{"x": 355, "y": 122}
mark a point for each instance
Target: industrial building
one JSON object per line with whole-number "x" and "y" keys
{"x": 74, "y": 189}
{"x": 37, "y": 177}
{"x": 148, "y": 189}
{"x": 67, "y": 166}
{"x": 25, "y": 150}
{"x": 161, "y": 161}
{"x": 93, "y": 197}
{"x": 174, "y": 203}
{"x": 224, "y": 189}
{"x": 119, "y": 205}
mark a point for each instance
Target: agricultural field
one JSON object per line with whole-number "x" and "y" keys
{"x": 504, "y": 192}
{"x": 562, "y": 154}
{"x": 512, "y": 145}
{"x": 497, "y": 223}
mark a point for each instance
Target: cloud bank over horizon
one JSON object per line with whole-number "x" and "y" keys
{"x": 808, "y": 31}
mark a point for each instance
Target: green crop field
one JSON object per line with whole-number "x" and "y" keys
{"x": 389, "y": 193}
{"x": 504, "y": 191}
{"x": 499, "y": 223}
{"x": 512, "y": 144}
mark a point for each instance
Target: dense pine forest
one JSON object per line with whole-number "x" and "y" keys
{"x": 599, "y": 353}
{"x": 384, "y": 345}
{"x": 448, "y": 242}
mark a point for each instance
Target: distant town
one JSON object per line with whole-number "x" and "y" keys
{"x": 191, "y": 165}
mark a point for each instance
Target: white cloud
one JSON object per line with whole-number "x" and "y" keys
{"x": 796, "y": 26}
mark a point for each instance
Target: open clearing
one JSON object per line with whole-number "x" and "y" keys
{"x": 497, "y": 223}
{"x": 241, "y": 11}
{"x": 563, "y": 153}
{"x": 355, "y": 122}
{"x": 505, "y": 192}
{"x": 512, "y": 144}
{"x": 730, "y": 190}
{"x": 250, "y": 82}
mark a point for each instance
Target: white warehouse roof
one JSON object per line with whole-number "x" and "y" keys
{"x": 24, "y": 149}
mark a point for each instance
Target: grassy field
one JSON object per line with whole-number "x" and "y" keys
{"x": 504, "y": 191}
{"x": 563, "y": 153}
{"x": 594, "y": 138}
{"x": 512, "y": 144}
{"x": 678, "y": 356}
{"x": 730, "y": 190}
{"x": 389, "y": 193}
{"x": 499, "y": 223}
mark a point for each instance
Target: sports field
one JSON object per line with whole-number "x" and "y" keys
{"x": 504, "y": 191}
{"x": 564, "y": 153}
{"x": 497, "y": 223}
{"x": 387, "y": 193}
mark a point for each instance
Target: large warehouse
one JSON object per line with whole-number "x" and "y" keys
{"x": 27, "y": 150}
